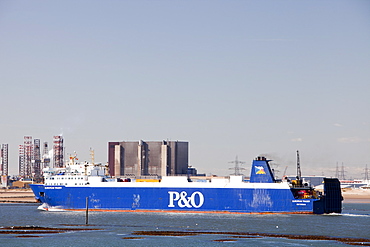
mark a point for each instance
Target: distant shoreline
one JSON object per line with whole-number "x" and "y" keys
{"x": 361, "y": 200}
{"x": 356, "y": 196}
{"x": 17, "y": 196}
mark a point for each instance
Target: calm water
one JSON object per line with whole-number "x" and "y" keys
{"x": 354, "y": 222}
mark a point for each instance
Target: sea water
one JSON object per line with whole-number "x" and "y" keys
{"x": 121, "y": 228}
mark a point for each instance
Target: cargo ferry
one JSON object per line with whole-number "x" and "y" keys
{"x": 87, "y": 186}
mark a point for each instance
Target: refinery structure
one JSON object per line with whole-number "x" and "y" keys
{"x": 133, "y": 159}
{"x": 4, "y": 165}
{"x": 130, "y": 159}
{"x": 33, "y": 158}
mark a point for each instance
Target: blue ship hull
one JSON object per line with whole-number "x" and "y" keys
{"x": 262, "y": 194}
{"x": 238, "y": 200}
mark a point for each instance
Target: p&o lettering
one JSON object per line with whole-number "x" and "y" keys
{"x": 195, "y": 200}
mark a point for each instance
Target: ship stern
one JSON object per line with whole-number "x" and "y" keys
{"x": 331, "y": 201}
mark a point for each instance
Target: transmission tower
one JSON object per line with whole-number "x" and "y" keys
{"x": 237, "y": 169}
{"x": 342, "y": 173}
{"x": 366, "y": 173}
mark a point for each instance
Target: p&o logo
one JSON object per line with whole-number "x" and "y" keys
{"x": 260, "y": 170}
{"x": 195, "y": 200}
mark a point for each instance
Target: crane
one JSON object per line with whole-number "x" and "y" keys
{"x": 299, "y": 170}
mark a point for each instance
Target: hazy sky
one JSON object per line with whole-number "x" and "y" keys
{"x": 230, "y": 77}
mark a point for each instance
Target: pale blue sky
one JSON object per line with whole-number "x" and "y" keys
{"x": 231, "y": 77}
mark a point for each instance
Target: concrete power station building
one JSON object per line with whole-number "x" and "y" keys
{"x": 144, "y": 159}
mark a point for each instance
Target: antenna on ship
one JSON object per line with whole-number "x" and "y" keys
{"x": 237, "y": 169}
{"x": 92, "y": 155}
{"x": 284, "y": 173}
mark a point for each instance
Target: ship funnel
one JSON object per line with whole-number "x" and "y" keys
{"x": 261, "y": 171}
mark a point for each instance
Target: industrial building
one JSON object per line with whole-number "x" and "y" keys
{"x": 148, "y": 159}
